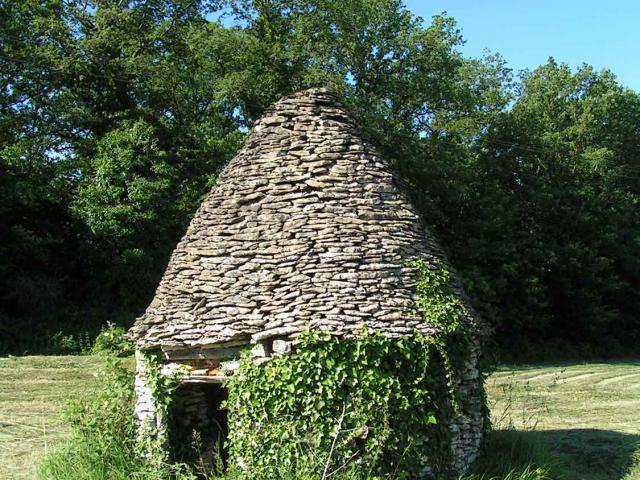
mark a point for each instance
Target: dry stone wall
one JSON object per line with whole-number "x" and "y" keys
{"x": 305, "y": 225}
{"x": 150, "y": 420}
{"x": 468, "y": 428}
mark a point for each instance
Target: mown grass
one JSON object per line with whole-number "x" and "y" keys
{"x": 581, "y": 420}
{"x": 572, "y": 422}
{"x": 33, "y": 391}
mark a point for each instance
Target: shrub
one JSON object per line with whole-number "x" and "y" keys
{"x": 61, "y": 344}
{"x": 102, "y": 443}
{"x": 113, "y": 339}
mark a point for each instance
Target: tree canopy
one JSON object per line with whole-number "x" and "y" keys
{"x": 116, "y": 116}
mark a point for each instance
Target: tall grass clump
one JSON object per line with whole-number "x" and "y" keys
{"x": 513, "y": 455}
{"x": 102, "y": 443}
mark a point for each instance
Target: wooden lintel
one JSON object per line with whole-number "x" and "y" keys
{"x": 204, "y": 379}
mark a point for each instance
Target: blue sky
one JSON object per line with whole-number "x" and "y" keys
{"x": 604, "y": 33}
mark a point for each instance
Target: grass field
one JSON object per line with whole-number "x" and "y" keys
{"x": 587, "y": 416}
{"x": 33, "y": 391}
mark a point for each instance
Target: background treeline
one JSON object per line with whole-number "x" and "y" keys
{"x": 116, "y": 116}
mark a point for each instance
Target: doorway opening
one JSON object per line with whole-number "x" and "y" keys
{"x": 198, "y": 426}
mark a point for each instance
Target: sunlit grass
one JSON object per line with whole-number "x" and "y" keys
{"x": 33, "y": 391}
{"x": 581, "y": 420}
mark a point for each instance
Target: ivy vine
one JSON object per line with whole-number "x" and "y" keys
{"x": 371, "y": 400}
{"x": 383, "y": 403}
{"x": 442, "y": 308}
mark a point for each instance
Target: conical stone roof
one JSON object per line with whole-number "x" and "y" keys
{"x": 305, "y": 226}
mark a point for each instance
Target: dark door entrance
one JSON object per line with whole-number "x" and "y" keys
{"x": 198, "y": 426}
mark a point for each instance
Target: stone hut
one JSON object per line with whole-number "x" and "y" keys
{"x": 305, "y": 228}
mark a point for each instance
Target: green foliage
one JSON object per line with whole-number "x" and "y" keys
{"x": 113, "y": 340}
{"x": 69, "y": 344}
{"x": 443, "y": 308}
{"x": 383, "y": 404}
{"x": 510, "y": 455}
{"x": 526, "y": 473}
{"x": 161, "y": 385}
{"x": 113, "y": 130}
{"x": 116, "y": 117}
{"x": 35, "y": 386}
{"x": 372, "y": 401}
{"x": 544, "y": 239}
{"x": 103, "y": 441}
{"x": 153, "y": 435}
{"x": 439, "y": 305}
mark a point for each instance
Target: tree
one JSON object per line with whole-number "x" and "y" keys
{"x": 112, "y": 122}
{"x": 117, "y": 116}
{"x": 557, "y": 211}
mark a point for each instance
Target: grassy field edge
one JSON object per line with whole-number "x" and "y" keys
{"x": 579, "y": 419}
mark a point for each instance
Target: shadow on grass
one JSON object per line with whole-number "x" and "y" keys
{"x": 589, "y": 454}
{"x": 577, "y": 454}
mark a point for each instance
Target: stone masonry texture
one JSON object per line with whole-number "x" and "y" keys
{"x": 306, "y": 226}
